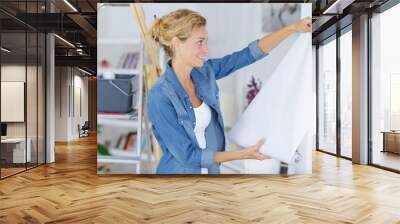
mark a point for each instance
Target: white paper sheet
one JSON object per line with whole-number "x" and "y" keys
{"x": 282, "y": 111}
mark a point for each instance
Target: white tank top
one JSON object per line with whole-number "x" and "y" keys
{"x": 203, "y": 118}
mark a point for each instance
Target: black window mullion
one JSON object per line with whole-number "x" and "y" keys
{"x": 45, "y": 90}
{"x": 369, "y": 90}
{"x": 338, "y": 92}
{"x": 44, "y": 78}
{"x": 26, "y": 86}
{"x": 73, "y": 92}
{"x": 1, "y": 163}
{"x": 317, "y": 95}
{"x": 37, "y": 89}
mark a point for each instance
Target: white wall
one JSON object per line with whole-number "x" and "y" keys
{"x": 14, "y": 73}
{"x": 33, "y": 126}
{"x": 68, "y": 81}
{"x": 81, "y": 84}
{"x": 61, "y": 103}
{"x": 17, "y": 73}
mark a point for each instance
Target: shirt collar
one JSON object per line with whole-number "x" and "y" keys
{"x": 198, "y": 81}
{"x": 171, "y": 77}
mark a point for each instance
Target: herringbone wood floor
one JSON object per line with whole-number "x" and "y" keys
{"x": 70, "y": 191}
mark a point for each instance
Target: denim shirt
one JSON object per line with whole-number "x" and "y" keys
{"x": 171, "y": 113}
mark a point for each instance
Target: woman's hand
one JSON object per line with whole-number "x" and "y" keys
{"x": 272, "y": 40}
{"x": 253, "y": 152}
{"x": 303, "y": 25}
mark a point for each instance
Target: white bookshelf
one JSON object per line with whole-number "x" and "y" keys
{"x": 117, "y": 159}
{"x": 112, "y": 124}
{"x": 122, "y": 123}
{"x": 118, "y": 34}
{"x": 119, "y": 71}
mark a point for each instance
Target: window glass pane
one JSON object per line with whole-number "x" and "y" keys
{"x": 13, "y": 87}
{"x": 386, "y": 89}
{"x": 31, "y": 98}
{"x": 41, "y": 98}
{"x": 346, "y": 93}
{"x": 327, "y": 97}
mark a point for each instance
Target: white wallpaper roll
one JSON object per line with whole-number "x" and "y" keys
{"x": 282, "y": 111}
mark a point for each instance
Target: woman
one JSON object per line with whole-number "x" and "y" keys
{"x": 183, "y": 105}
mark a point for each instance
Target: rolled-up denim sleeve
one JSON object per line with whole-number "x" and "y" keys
{"x": 256, "y": 51}
{"x": 230, "y": 63}
{"x": 172, "y": 133}
{"x": 207, "y": 158}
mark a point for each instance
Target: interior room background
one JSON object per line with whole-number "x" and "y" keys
{"x": 242, "y": 24}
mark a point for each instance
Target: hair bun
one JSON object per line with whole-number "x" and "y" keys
{"x": 156, "y": 29}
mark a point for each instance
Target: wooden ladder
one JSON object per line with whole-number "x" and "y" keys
{"x": 152, "y": 70}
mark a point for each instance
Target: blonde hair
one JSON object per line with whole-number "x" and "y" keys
{"x": 178, "y": 23}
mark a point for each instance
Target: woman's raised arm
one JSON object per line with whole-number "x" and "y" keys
{"x": 272, "y": 40}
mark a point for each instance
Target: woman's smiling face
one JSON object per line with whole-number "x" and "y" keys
{"x": 193, "y": 51}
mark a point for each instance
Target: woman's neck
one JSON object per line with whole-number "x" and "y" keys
{"x": 182, "y": 72}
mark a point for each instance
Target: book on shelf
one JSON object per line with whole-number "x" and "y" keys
{"x": 128, "y": 60}
{"x": 126, "y": 145}
{"x": 127, "y": 142}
